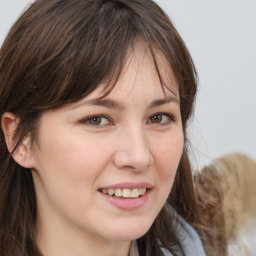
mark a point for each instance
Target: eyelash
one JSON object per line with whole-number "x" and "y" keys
{"x": 170, "y": 116}
{"x": 90, "y": 118}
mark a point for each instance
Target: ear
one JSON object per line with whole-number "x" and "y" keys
{"x": 22, "y": 155}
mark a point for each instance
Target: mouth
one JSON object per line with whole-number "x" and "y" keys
{"x": 125, "y": 193}
{"x": 128, "y": 195}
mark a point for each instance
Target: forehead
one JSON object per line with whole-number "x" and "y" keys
{"x": 145, "y": 73}
{"x": 144, "y": 69}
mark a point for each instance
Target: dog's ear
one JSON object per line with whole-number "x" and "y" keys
{"x": 22, "y": 154}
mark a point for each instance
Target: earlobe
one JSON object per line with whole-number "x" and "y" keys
{"x": 22, "y": 154}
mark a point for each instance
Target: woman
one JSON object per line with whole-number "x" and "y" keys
{"x": 94, "y": 101}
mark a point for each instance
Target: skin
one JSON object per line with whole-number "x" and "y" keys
{"x": 75, "y": 156}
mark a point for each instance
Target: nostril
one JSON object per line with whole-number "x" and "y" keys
{"x": 128, "y": 167}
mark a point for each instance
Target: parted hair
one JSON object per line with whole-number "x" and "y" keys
{"x": 58, "y": 52}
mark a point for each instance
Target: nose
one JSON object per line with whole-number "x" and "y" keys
{"x": 133, "y": 151}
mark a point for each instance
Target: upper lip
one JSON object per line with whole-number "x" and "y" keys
{"x": 130, "y": 185}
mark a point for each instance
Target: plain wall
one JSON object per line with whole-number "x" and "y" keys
{"x": 221, "y": 36}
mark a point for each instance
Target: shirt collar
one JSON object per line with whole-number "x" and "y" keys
{"x": 134, "y": 251}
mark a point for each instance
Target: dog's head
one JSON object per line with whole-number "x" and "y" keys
{"x": 226, "y": 191}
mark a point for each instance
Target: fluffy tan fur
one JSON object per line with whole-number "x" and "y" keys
{"x": 226, "y": 192}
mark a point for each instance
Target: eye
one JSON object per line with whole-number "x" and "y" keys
{"x": 161, "y": 118}
{"x": 96, "y": 120}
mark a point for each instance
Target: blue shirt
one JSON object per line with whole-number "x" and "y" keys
{"x": 188, "y": 238}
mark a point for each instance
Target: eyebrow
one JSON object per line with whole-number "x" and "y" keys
{"x": 166, "y": 100}
{"x": 112, "y": 104}
{"x": 102, "y": 102}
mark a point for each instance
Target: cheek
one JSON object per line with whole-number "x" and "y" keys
{"x": 67, "y": 171}
{"x": 167, "y": 156}
{"x": 72, "y": 157}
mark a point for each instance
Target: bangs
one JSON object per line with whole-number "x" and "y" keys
{"x": 97, "y": 52}
{"x": 75, "y": 46}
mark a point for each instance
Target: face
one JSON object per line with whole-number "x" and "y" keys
{"x": 104, "y": 168}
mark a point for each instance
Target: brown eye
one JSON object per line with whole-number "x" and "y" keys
{"x": 161, "y": 119}
{"x": 156, "y": 119}
{"x": 95, "y": 120}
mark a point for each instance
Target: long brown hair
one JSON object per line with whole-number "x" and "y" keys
{"x": 58, "y": 52}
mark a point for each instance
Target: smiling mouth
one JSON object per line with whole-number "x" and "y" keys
{"x": 124, "y": 193}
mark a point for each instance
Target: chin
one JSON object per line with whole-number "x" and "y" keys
{"x": 129, "y": 231}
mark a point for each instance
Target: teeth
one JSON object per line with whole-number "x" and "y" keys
{"x": 110, "y": 191}
{"x": 105, "y": 191}
{"x": 135, "y": 193}
{"x": 118, "y": 192}
{"x": 126, "y": 192}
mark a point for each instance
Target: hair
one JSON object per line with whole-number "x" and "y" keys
{"x": 58, "y": 52}
{"x": 226, "y": 193}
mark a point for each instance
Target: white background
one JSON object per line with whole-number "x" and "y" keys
{"x": 221, "y": 36}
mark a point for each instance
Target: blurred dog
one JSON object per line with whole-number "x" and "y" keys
{"x": 226, "y": 191}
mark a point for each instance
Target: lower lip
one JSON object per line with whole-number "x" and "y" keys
{"x": 127, "y": 204}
